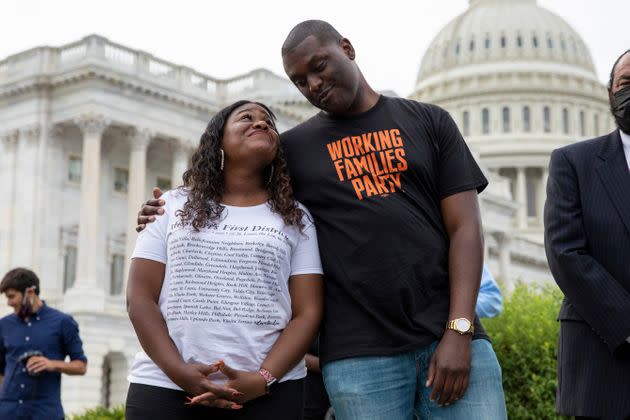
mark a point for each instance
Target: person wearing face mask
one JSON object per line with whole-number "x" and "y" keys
{"x": 587, "y": 240}
{"x": 34, "y": 343}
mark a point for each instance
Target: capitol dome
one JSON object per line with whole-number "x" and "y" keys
{"x": 492, "y": 31}
{"x": 519, "y": 81}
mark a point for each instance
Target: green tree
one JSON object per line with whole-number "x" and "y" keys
{"x": 525, "y": 338}
{"x": 101, "y": 413}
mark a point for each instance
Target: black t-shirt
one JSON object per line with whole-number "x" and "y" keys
{"x": 373, "y": 184}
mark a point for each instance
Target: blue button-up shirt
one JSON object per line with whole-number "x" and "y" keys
{"x": 51, "y": 332}
{"x": 490, "y": 300}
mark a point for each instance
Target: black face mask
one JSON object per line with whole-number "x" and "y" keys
{"x": 620, "y": 107}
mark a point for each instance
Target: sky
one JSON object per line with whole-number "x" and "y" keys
{"x": 227, "y": 38}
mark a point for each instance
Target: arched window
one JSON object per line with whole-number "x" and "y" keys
{"x": 565, "y": 120}
{"x": 505, "y": 112}
{"x": 69, "y": 267}
{"x": 582, "y": 124}
{"x": 487, "y": 43}
{"x": 532, "y": 202}
{"x": 485, "y": 120}
{"x": 527, "y": 126}
{"x": 466, "y": 122}
{"x": 519, "y": 41}
{"x": 535, "y": 41}
{"x": 547, "y": 119}
{"x": 549, "y": 42}
{"x": 503, "y": 42}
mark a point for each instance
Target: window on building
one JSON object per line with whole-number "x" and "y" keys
{"x": 457, "y": 49}
{"x": 487, "y": 43}
{"x": 503, "y": 42}
{"x": 116, "y": 274}
{"x": 485, "y": 120}
{"x": 472, "y": 45}
{"x": 532, "y": 205}
{"x": 519, "y": 41}
{"x": 163, "y": 183}
{"x": 547, "y": 119}
{"x": 526, "y": 120}
{"x": 563, "y": 45}
{"x": 596, "y": 124}
{"x": 121, "y": 180}
{"x": 69, "y": 267}
{"x": 466, "y": 123}
{"x": 565, "y": 120}
{"x": 535, "y": 41}
{"x": 74, "y": 169}
{"x": 106, "y": 385}
{"x": 549, "y": 42}
{"x": 582, "y": 124}
{"x": 506, "y": 119}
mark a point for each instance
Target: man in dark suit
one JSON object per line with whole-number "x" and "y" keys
{"x": 587, "y": 239}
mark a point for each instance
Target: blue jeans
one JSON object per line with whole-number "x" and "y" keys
{"x": 392, "y": 387}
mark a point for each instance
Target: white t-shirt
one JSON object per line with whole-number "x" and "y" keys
{"x": 225, "y": 294}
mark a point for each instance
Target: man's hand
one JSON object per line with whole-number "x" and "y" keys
{"x": 38, "y": 364}
{"x": 149, "y": 210}
{"x": 250, "y": 384}
{"x": 449, "y": 368}
{"x": 193, "y": 378}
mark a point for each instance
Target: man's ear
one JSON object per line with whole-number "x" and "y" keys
{"x": 30, "y": 291}
{"x": 347, "y": 48}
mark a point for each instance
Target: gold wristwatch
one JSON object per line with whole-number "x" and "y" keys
{"x": 461, "y": 325}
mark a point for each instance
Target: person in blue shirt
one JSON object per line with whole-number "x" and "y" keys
{"x": 34, "y": 343}
{"x": 489, "y": 300}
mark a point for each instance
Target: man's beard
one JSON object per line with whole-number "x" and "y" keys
{"x": 620, "y": 108}
{"x": 26, "y": 309}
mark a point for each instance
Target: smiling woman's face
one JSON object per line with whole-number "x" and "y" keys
{"x": 250, "y": 137}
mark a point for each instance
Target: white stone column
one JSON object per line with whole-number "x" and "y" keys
{"x": 521, "y": 198}
{"x": 87, "y": 293}
{"x": 136, "y": 193}
{"x": 9, "y": 189}
{"x": 79, "y": 393}
{"x": 503, "y": 243}
{"x": 24, "y": 199}
{"x": 180, "y": 162}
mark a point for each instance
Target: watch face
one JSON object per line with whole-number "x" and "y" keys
{"x": 462, "y": 325}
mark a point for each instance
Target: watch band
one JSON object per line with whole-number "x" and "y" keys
{"x": 452, "y": 325}
{"x": 269, "y": 379}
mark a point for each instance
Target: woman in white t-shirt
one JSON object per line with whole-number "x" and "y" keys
{"x": 225, "y": 287}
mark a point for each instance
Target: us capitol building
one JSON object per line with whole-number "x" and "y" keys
{"x": 88, "y": 128}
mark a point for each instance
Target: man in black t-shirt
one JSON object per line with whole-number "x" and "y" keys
{"x": 393, "y": 190}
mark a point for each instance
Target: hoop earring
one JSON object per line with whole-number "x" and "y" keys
{"x": 222, "y": 160}
{"x": 270, "y": 176}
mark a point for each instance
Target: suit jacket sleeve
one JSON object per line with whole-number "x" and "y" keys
{"x": 596, "y": 295}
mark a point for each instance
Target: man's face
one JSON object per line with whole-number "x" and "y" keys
{"x": 14, "y": 299}
{"x": 325, "y": 74}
